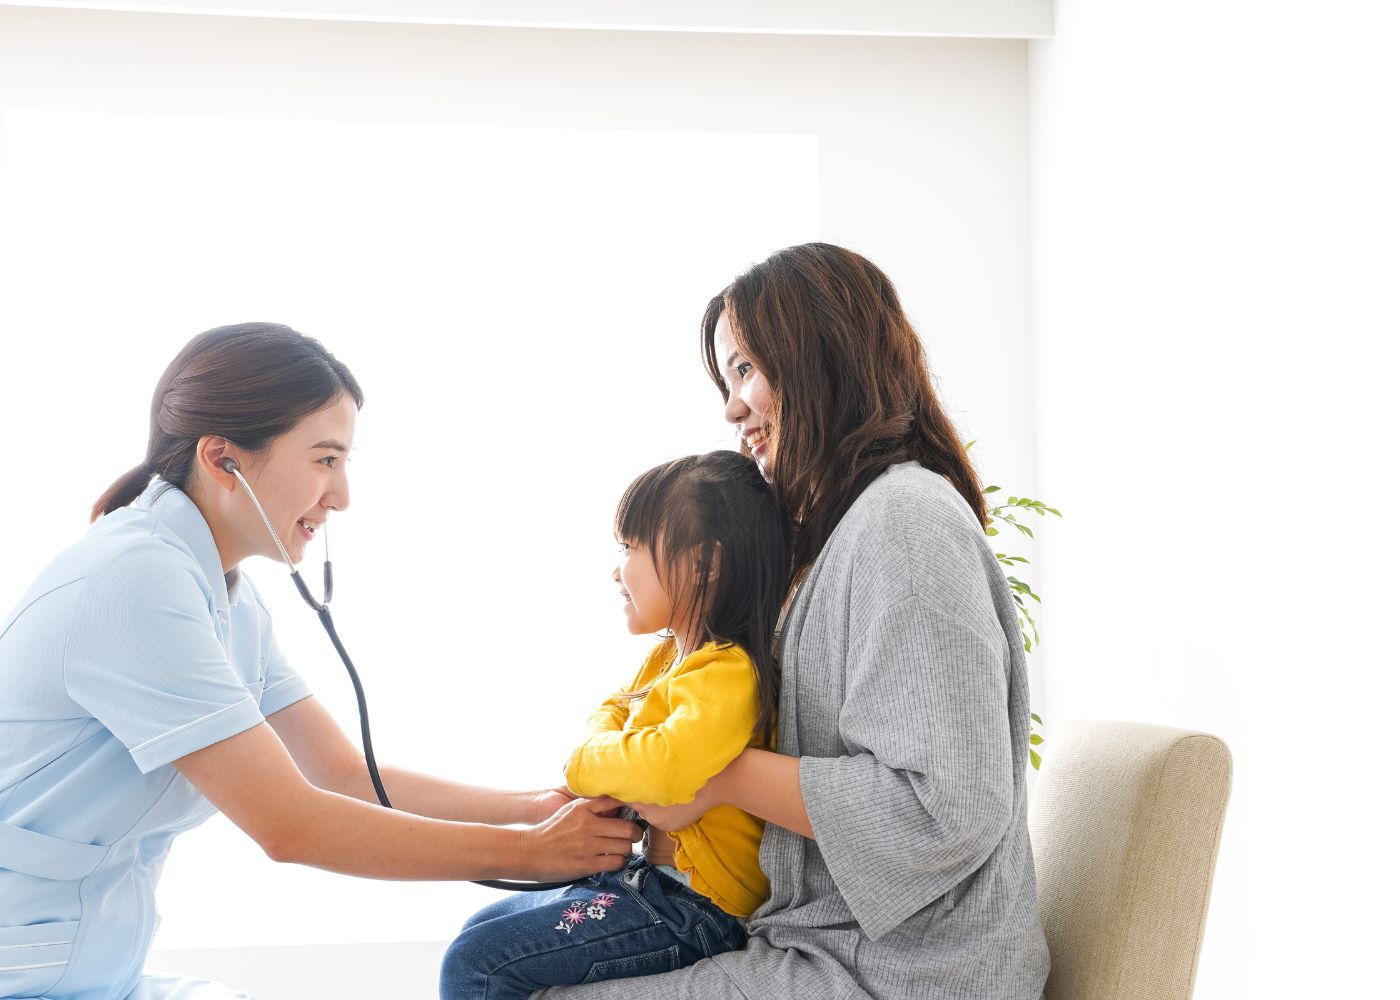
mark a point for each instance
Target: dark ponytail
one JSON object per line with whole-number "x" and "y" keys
{"x": 123, "y": 491}
{"x": 250, "y": 383}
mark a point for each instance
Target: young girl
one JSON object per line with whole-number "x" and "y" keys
{"x": 704, "y": 559}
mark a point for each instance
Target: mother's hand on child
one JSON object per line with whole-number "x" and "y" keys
{"x": 678, "y": 817}
{"x": 581, "y": 838}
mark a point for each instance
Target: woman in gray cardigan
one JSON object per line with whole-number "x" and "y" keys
{"x": 896, "y": 844}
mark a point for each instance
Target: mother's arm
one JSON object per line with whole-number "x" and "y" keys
{"x": 923, "y": 791}
{"x": 760, "y": 782}
{"x": 330, "y": 761}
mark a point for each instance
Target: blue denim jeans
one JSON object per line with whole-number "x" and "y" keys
{"x": 633, "y": 922}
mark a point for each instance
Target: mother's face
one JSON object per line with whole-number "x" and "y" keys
{"x": 750, "y": 404}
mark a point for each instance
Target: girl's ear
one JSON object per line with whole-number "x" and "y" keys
{"x": 703, "y": 575}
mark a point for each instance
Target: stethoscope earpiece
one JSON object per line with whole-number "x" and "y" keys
{"x": 230, "y": 464}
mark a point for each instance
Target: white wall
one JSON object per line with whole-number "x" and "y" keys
{"x": 920, "y": 152}
{"x": 1215, "y": 263}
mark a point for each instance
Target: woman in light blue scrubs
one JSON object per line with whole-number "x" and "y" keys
{"x": 141, "y": 689}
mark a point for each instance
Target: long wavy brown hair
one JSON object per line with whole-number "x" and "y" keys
{"x": 850, "y": 382}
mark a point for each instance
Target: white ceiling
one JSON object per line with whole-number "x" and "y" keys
{"x": 931, "y": 18}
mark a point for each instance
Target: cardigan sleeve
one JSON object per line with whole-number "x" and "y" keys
{"x": 711, "y": 708}
{"x": 924, "y": 793}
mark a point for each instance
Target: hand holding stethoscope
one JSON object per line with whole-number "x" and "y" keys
{"x": 323, "y": 611}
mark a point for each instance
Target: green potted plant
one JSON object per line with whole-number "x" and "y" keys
{"x": 1021, "y": 593}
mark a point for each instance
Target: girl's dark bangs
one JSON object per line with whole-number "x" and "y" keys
{"x": 640, "y": 511}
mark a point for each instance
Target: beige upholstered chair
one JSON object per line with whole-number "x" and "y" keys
{"x": 1125, "y": 826}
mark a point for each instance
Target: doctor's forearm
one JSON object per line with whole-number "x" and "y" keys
{"x": 253, "y": 780}
{"x": 439, "y": 798}
{"x": 341, "y": 834}
{"x": 327, "y": 758}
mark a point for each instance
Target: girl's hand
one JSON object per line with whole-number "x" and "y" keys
{"x": 578, "y": 840}
{"x": 548, "y": 802}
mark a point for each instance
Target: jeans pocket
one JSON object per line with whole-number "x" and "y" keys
{"x": 715, "y": 931}
{"x": 648, "y": 964}
{"x": 633, "y": 884}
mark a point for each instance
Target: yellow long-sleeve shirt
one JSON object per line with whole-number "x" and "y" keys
{"x": 697, "y": 717}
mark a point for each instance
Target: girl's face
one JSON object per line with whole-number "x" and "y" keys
{"x": 750, "y": 404}
{"x": 299, "y": 480}
{"x": 645, "y": 602}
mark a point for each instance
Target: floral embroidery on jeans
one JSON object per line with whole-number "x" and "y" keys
{"x": 577, "y": 912}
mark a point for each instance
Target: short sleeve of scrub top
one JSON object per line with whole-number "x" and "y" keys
{"x": 144, "y": 660}
{"x": 131, "y": 650}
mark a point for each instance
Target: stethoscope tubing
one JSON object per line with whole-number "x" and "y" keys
{"x": 323, "y": 612}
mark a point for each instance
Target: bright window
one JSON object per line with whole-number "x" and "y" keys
{"x": 522, "y": 309}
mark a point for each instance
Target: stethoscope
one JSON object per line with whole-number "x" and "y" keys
{"x": 323, "y": 612}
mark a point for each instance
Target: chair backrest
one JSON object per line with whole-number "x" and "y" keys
{"x": 1125, "y": 827}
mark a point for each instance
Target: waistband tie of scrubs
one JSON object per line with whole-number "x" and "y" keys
{"x": 43, "y": 856}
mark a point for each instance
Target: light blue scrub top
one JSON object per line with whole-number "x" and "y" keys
{"x": 131, "y": 650}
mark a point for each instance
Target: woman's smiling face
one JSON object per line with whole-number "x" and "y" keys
{"x": 300, "y": 479}
{"x": 750, "y": 406}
